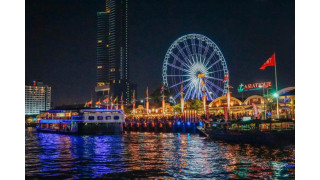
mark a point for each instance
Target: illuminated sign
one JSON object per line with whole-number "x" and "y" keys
{"x": 253, "y": 86}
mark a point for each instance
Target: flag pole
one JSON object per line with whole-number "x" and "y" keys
{"x": 275, "y": 73}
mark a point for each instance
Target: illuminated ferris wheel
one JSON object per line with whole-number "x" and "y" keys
{"x": 195, "y": 63}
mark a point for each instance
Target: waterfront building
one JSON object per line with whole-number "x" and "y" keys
{"x": 112, "y": 52}
{"x": 37, "y": 98}
{"x": 245, "y": 108}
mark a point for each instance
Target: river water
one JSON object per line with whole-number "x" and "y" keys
{"x": 154, "y": 155}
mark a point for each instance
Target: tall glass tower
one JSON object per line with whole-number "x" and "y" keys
{"x": 112, "y": 51}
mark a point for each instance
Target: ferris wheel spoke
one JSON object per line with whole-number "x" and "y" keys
{"x": 176, "y": 96}
{"x": 208, "y": 60}
{"x": 207, "y": 92}
{"x": 205, "y": 52}
{"x": 200, "y": 49}
{"x": 178, "y": 59}
{"x": 193, "y": 92}
{"x": 193, "y": 44}
{"x": 187, "y": 48}
{"x": 217, "y": 87}
{"x": 214, "y": 93}
{"x": 215, "y": 71}
{"x": 170, "y": 75}
{"x": 174, "y": 66}
{"x": 183, "y": 54}
{"x": 214, "y": 63}
{"x": 180, "y": 83}
{"x": 183, "y": 89}
{"x": 215, "y": 78}
{"x": 188, "y": 94}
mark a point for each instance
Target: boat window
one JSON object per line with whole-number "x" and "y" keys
{"x": 108, "y": 117}
{"x": 100, "y": 118}
{"x": 116, "y": 117}
{"x": 91, "y": 117}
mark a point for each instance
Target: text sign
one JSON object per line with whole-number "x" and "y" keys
{"x": 253, "y": 86}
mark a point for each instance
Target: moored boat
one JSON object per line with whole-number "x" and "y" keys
{"x": 82, "y": 121}
{"x": 253, "y": 131}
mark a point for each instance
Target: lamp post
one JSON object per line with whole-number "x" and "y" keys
{"x": 276, "y": 95}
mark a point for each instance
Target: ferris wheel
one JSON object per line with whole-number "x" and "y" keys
{"x": 195, "y": 64}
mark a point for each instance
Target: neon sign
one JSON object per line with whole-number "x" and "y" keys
{"x": 253, "y": 86}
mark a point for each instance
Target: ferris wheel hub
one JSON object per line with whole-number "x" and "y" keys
{"x": 201, "y": 75}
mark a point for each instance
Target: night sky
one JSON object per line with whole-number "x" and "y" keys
{"x": 61, "y": 40}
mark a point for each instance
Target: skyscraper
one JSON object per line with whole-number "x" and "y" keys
{"x": 37, "y": 98}
{"x": 112, "y": 51}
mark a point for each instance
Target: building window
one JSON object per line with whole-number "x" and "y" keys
{"x": 100, "y": 118}
{"x": 101, "y": 84}
{"x": 112, "y": 70}
{"x": 99, "y": 41}
{"x": 116, "y": 117}
{"x": 91, "y": 117}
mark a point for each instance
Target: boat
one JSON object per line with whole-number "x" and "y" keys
{"x": 252, "y": 131}
{"x": 82, "y": 121}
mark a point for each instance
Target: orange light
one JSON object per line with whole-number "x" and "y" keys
{"x": 99, "y": 67}
{"x": 201, "y": 75}
{"x": 100, "y": 41}
{"x": 107, "y": 45}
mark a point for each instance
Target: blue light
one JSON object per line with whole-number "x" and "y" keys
{"x": 102, "y": 110}
{"x": 188, "y": 123}
{"x": 200, "y": 123}
{"x": 178, "y": 123}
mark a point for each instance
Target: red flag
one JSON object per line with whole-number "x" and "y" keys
{"x": 181, "y": 88}
{"x": 106, "y": 100}
{"x": 226, "y": 77}
{"x": 98, "y": 102}
{"x": 269, "y": 62}
{"x": 90, "y": 102}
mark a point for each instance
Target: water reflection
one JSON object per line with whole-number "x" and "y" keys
{"x": 163, "y": 155}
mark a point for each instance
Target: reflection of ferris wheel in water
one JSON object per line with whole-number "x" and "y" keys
{"x": 195, "y": 62}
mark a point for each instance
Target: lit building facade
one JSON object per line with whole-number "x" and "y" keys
{"x": 112, "y": 52}
{"x": 37, "y": 98}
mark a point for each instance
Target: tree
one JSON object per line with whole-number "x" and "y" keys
{"x": 177, "y": 108}
{"x": 195, "y": 104}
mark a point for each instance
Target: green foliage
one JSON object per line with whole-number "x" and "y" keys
{"x": 177, "y": 108}
{"x": 195, "y": 104}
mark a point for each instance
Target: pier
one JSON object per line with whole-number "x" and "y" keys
{"x": 163, "y": 125}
